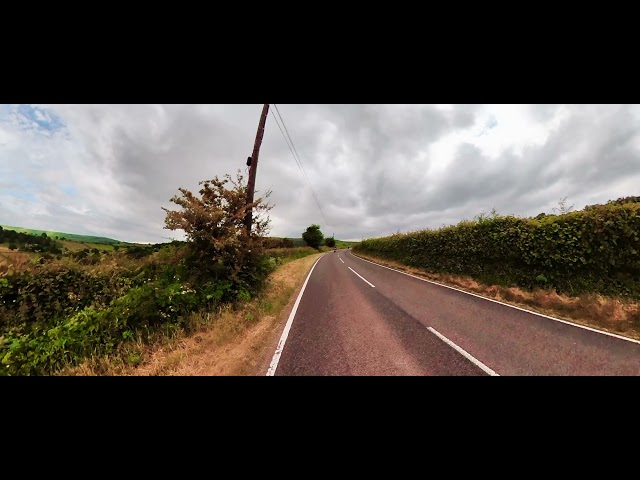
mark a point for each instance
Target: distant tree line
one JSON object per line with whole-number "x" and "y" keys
{"x": 27, "y": 242}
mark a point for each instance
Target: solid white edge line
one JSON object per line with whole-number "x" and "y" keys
{"x": 468, "y": 356}
{"x": 283, "y": 338}
{"x": 506, "y": 304}
{"x": 362, "y": 277}
{"x": 341, "y": 260}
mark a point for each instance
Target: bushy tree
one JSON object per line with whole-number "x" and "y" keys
{"x": 313, "y": 236}
{"x": 330, "y": 242}
{"x": 215, "y": 229}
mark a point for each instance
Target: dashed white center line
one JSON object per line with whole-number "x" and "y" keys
{"x": 362, "y": 277}
{"x": 341, "y": 260}
{"x": 468, "y": 356}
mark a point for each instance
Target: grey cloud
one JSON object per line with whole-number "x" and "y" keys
{"x": 581, "y": 156}
{"x": 369, "y": 165}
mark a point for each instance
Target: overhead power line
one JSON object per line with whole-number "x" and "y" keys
{"x": 296, "y": 156}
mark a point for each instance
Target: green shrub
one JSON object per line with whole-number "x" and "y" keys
{"x": 594, "y": 250}
{"x": 47, "y": 294}
{"x": 54, "y": 316}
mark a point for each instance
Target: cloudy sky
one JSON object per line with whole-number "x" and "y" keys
{"x": 376, "y": 169}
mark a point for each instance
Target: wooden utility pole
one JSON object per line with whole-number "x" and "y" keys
{"x": 252, "y": 161}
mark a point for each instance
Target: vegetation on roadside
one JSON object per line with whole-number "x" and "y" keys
{"x": 276, "y": 242}
{"x": 596, "y": 250}
{"x": 284, "y": 255}
{"x": 56, "y": 312}
{"x": 226, "y": 341}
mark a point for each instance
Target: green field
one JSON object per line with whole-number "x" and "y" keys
{"x": 344, "y": 243}
{"x": 69, "y": 236}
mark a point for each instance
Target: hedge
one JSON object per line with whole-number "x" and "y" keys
{"x": 595, "y": 250}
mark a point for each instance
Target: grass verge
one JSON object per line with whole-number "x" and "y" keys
{"x": 230, "y": 341}
{"x": 611, "y": 314}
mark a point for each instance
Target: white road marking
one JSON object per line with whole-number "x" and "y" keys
{"x": 341, "y": 260}
{"x": 362, "y": 277}
{"x": 506, "y": 304}
{"x": 283, "y": 339}
{"x": 467, "y": 355}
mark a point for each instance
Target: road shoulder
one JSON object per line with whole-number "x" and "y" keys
{"x": 613, "y": 316}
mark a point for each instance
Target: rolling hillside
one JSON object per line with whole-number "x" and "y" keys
{"x": 68, "y": 236}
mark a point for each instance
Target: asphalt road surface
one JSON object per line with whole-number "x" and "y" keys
{"x": 358, "y": 318}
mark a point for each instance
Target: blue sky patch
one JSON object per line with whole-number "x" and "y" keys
{"x": 492, "y": 122}
{"x": 30, "y": 117}
{"x": 69, "y": 190}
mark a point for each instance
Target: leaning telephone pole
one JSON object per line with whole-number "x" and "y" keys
{"x": 252, "y": 161}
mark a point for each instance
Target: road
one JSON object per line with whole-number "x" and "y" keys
{"x": 354, "y": 317}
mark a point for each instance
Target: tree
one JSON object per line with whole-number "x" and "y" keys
{"x": 214, "y": 225}
{"x": 330, "y": 242}
{"x": 313, "y": 236}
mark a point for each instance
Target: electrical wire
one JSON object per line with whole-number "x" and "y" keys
{"x": 296, "y": 157}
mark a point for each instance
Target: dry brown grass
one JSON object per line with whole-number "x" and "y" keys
{"x": 20, "y": 262}
{"x": 14, "y": 261}
{"x": 615, "y": 315}
{"x": 115, "y": 261}
{"x": 226, "y": 342}
{"x": 73, "y": 246}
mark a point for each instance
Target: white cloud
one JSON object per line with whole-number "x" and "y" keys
{"x": 107, "y": 169}
{"x": 79, "y": 211}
